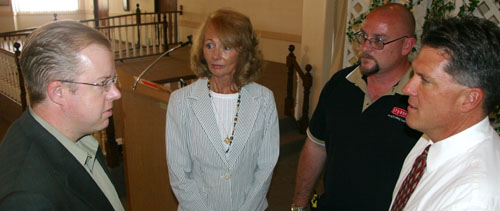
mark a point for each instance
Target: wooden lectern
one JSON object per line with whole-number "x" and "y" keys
{"x": 141, "y": 117}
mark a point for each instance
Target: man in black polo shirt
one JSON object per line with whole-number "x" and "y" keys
{"x": 359, "y": 125}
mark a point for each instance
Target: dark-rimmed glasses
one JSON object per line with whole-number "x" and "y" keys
{"x": 376, "y": 43}
{"x": 106, "y": 84}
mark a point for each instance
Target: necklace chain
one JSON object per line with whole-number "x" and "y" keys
{"x": 229, "y": 140}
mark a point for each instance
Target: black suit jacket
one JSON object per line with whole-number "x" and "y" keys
{"x": 38, "y": 173}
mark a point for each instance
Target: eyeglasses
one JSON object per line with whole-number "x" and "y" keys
{"x": 106, "y": 84}
{"x": 376, "y": 43}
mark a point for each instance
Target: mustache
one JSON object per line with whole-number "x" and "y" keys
{"x": 365, "y": 56}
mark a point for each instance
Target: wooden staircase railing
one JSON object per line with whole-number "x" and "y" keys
{"x": 139, "y": 34}
{"x": 11, "y": 79}
{"x": 293, "y": 66}
{"x": 131, "y": 35}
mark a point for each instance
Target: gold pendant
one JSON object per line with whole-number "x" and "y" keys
{"x": 227, "y": 140}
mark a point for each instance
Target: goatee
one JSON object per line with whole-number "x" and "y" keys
{"x": 368, "y": 71}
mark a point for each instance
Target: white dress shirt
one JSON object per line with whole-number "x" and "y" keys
{"x": 463, "y": 172}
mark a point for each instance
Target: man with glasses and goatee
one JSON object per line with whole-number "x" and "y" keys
{"x": 358, "y": 129}
{"x": 48, "y": 158}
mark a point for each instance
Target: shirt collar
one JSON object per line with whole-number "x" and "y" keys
{"x": 84, "y": 150}
{"x": 357, "y": 79}
{"x": 455, "y": 145}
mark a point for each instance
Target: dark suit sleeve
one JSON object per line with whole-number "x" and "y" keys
{"x": 25, "y": 201}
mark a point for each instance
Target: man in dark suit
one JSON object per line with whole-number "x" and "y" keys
{"x": 48, "y": 159}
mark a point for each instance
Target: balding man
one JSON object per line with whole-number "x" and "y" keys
{"x": 455, "y": 165}
{"x": 359, "y": 125}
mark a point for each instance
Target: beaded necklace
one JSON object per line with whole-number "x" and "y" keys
{"x": 229, "y": 140}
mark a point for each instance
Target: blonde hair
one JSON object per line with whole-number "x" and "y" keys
{"x": 234, "y": 30}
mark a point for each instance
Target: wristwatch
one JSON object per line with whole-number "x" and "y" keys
{"x": 297, "y": 208}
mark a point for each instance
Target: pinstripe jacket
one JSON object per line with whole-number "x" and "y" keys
{"x": 201, "y": 176}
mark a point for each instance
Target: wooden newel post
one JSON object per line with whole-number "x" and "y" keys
{"x": 17, "y": 54}
{"x": 307, "y": 83}
{"x": 289, "y": 88}
{"x": 138, "y": 22}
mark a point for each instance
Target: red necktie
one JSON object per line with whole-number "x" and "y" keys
{"x": 411, "y": 181}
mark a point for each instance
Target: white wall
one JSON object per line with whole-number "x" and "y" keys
{"x": 11, "y": 22}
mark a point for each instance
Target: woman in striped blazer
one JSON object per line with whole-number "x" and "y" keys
{"x": 222, "y": 132}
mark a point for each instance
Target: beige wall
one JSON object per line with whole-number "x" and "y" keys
{"x": 278, "y": 22}
{"x": 322, "y": 42}
{"x": 6, "y": 19}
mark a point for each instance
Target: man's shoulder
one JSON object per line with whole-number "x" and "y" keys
{"x": 339, "y": 79}
{"x": 344, "y": 72}
{"x": 24, "y": 154}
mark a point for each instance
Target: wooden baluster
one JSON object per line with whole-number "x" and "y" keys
{"x": 170, "y": 27}
{"x": 127, "y": 38}
{"x": 138, "y": 23}
{"x": 120, "y": 39}
{"x": 176, "y": 33}
{"x": 17, "y": 53}
{"x": 165, "y": 37}
{"x": 154, "y": 34}
{"x": 289, "y": 88}
{"x": 307, "y": 83}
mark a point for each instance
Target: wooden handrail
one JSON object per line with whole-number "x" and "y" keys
{"x": 18, "y": 32}
{"x": 7, "y": 52}
{"x": 293, "y": 66}
{"x": 175, "y": 79}
{"x": 127, "y": 15}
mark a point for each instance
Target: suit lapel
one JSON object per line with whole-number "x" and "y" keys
{"x": 202, "y": 108}
{"x": 68, "y": 170}
{"x": 249, "y": 107}
{"x": 81, "y": 184}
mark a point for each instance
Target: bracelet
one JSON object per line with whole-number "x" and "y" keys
{"x": 297, "y": 208}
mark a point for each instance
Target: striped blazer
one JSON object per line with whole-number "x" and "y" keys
{"x": 201, "y": 176}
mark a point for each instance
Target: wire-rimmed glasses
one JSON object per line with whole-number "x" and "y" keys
{"x": 106, "y": 84}
{"x": 376, "y": 43}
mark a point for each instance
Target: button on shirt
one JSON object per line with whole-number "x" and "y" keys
{"x": 463, "y": 172}
{"x": 84, "y": 150}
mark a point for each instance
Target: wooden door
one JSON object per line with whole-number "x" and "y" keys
{"x": 165, "y": 5}
{"x": 101, "y": 10}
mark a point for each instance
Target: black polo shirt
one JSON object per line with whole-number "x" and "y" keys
{"x": 366, "y": 142}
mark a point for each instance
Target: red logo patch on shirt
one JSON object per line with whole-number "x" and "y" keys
{"x": 399, "y": 112}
